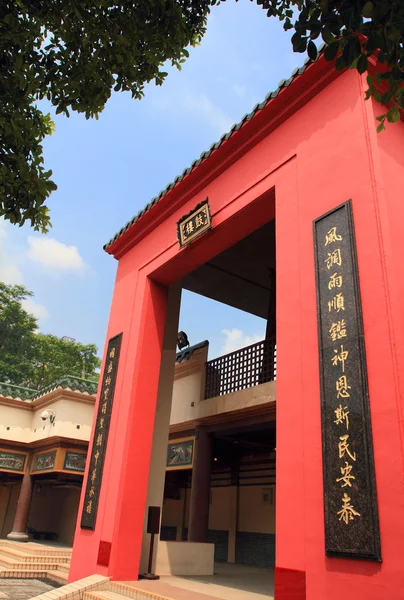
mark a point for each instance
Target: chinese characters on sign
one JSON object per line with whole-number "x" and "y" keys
{"x": 93, "y": 487}
{"x": 350, "y": 502}
{"x": 194, "y": 224}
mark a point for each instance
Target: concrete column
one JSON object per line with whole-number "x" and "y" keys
{"x": 157, "y": 472}
{"x": 200, "y": 490}
{"x": 18, "y": 533}
{"x": 181, "y": 514}
{"x": 233, "y": 513}
{"x": 271, "y": 319}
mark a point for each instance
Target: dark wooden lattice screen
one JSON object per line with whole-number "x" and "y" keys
{"x": 241, "y": 369}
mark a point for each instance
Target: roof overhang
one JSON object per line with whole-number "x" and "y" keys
{"x": 291, "y": 95}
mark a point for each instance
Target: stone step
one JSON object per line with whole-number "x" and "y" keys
{"x": 102, "y": 595}
{"x": 22, "y": 574}
{"x": 10, "y": 564}
{"x": 57, "y": 576}
{"x": 18, "y": 555}
{"x": 152, "y": 590}
{"x": 64, "y": 568}
{"x": 9, "y": 554}
{"x": 110, "y": 595}
{"x": 35, "y": 548}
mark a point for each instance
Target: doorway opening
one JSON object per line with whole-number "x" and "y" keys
{"x": 220, "y": 479}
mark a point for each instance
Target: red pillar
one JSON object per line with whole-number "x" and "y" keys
{"x": 200, "y": 490}
{"x": 290, "y": 570}
{"x": 138, "y": 311}
{"x": 19, "y": 534}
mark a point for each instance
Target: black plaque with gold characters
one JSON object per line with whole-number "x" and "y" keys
{"x": 194, "y": 224}
{"x": 350, "y": 500}
{"x": 94, "y": 481}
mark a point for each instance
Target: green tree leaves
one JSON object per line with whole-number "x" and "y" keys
{"x": 354, "y": 31}
{"x": 56, "y": 357}
{"x": 33, "y": 359}
{"x": 17, "y": 335}
{"x": 74, "y": 53}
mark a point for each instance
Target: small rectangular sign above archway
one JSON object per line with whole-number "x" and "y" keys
{"x": 194, "y": 224}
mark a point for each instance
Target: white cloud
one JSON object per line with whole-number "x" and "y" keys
{"x": 54, "y": 255}
{"x": 236, "y": 339}
{"x": 38, "y": 310}
{"x": 202, "y": 106}
{"x": 239, "y": 90}
{"x": 10, "y": 258}
{"x": 9, "y": 274}
{"x": 199, "y": 105}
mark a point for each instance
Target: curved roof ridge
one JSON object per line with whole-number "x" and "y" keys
{"x": 247, "y": 117}
{"x": 76, "y": 384}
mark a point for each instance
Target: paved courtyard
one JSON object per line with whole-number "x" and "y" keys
{"x": 23, "y": 589}
{"x": 230, "y": 582}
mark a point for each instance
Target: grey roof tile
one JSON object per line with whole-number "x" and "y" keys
{"x": 9, "y": 390}
{"x": 188, "y": 352}
{"x": 76, "y": 384}
{"x": 197, "y": 162}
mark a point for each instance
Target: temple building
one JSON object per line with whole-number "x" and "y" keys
{"x": 227, "y": 497}
{"x": 43, "y": 447}
{"x": 43, "y": 451}
{"x": 295, "y": 216}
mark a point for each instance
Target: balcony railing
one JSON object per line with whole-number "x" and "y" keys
{"x": 241, "y": 369}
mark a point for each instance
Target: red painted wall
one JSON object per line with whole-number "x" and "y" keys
{"x": 335, "y": 162}
{"x": 322, "y": 155}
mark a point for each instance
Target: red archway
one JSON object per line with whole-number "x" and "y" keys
{"x": 302, "y": 153}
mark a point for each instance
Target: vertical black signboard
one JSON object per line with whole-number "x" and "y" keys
{"x": 94, "y": 481}
{"x": 350, "y": 502}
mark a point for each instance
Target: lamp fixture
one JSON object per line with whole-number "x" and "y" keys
{"x": 48, "y": 414}
{"x": 182, "y": 340}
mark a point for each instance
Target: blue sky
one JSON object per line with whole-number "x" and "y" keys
{"x": 107, "y": 170}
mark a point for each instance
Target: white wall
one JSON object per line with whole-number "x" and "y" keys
{"x": 188, "y": 403}
{"x": 187, "y": 390}
{"x": 69, "y": 414}
{"x": 15, "y": 423}
{"x": 19, "y": 424}
{"x": 219, "y": 515}
{"x": 255, "y": 515}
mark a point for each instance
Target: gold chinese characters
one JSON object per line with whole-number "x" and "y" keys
{"x": 347, "y": 512}
{"x": 340, "y": 356}
{"x": 346, "y": 475}
{"x": 341, "y": 415}
{"x": 343, "y": 447}
{"x": 195, "y": 223}
{"x": 338, "y": 330}
{"x": 332, "y": 236}
{"x": 100, "y": 438}
{"x": 337, "y": 303}
{"x": 340, "y": 359}
{"x": 334, "y": 258}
